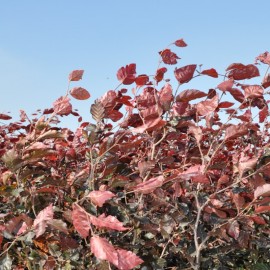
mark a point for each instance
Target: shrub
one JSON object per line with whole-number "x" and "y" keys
{"x": 181, "y": 181}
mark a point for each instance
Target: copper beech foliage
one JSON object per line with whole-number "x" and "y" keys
{"x": 162, "y": 176}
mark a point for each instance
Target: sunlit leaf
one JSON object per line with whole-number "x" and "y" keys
{"x": 81, "y": 220}
{"x": 253, "y": 91}
{"x": 149, "y": 185}
{"x": 226, "y": 85}
{"x": 207, "y": 106}
{"x": 263, "y": 190}
{"x": 100, "y": 197}
{"x": 62, "y": 106}
{"x": 264, "y": 58}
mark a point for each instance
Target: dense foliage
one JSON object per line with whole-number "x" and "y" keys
{"x": 160, "y": 179}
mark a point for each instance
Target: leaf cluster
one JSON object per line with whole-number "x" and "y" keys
{"x": 162, "y": 178}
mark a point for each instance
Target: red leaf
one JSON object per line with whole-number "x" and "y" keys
{"x": 160, "y": 74}
{"x": 179, "y": 108}
{"x": 76, "y": 75}
{"x": 262, "y": 209}
{"x": 235, "y": 131}
{"x": 207, "y": 106}
{"x": 266, "y": 81}
{"x": 62, "y": 106}
{"x": 81, "y": 220}
{"x": 185, "y": 74}
{"x": 114, "y": 115}
{"x": 224, "y": 179}
{"x": 233, "y": 229}
{"x": 210, "y": 72}
{"x": 235, "y": 66}
{"x": 264, "y": 58}
{"x": 149, "y": 185}
{"x": 238, "y": 200}
{"x": 246, "y": 117}
{"x": 40, "y": 223}
{"x": 127, "y": 75}
{"x": 253, "y": 91}
{"x": 197, "y": 132}
{"x": 190, "y": 94}
{"x": 37, "y": 146}
{"x": 109, "y": 222}
{"x": 166, "y": 96}
{"x": 5, "y": 116}
{"x": 100, "y": 197}
{"x": 150, "y": 125}
{"x": 225, "y": 104}
{"x": 237, "y": 94}
{"x": 168, "y": 57}
{"x": 142, "y": 80}
{"x": 200, "y": 179}
{"x": 103, "y": 250}
{"x": 79, "y": 93}
{"x": 23, "y": 116}
{"x": 263, "y": 190}
{"x": 122, "y": 259}
{"x": 127, "y": 260}
{"x": 180, "y": 43}
{"x": 242, "y": 72}
{"x": 258, "y": 220}
{"x": 246, "y": 165}
{"x": 226, "y": 85}
{"x": 263, "y": 114}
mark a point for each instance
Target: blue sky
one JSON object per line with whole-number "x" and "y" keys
{"x": 42, "y": 41}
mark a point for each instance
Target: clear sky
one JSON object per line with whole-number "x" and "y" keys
{"x": 42, "y": 41}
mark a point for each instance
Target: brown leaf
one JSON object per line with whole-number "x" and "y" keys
{"x": 97, "y": 110}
